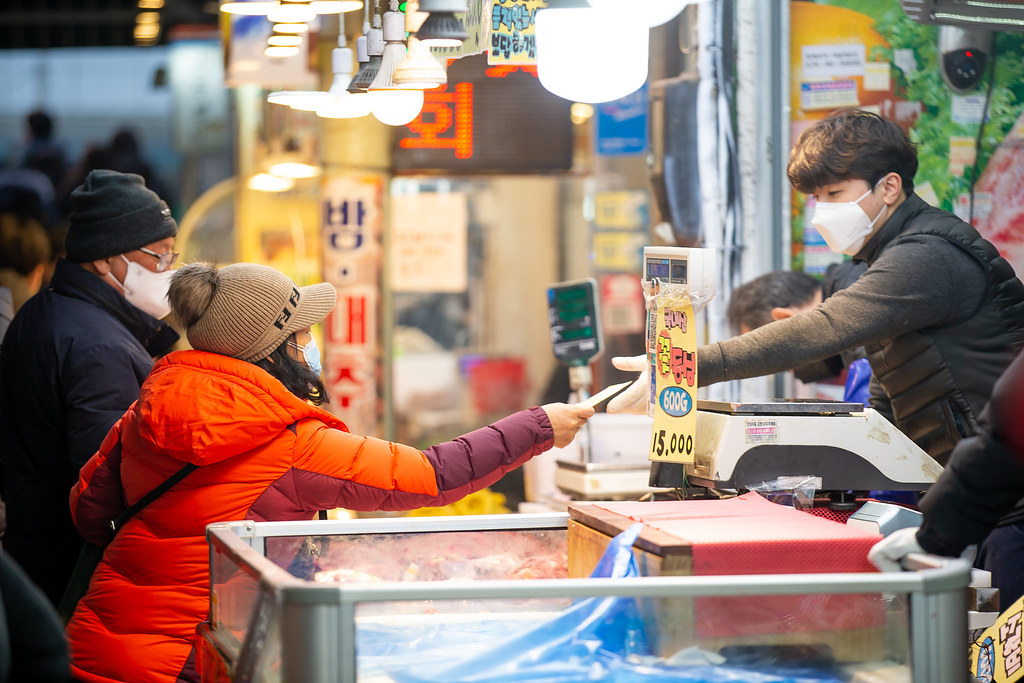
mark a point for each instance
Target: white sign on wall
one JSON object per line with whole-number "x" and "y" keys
{"x": 428, "y": 242}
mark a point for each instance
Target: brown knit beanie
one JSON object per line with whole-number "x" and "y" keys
{"x": 244, "y": 310}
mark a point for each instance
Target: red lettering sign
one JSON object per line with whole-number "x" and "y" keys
{"x": 445, "y": 122}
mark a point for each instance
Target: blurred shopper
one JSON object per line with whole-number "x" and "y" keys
{"x": 24, "y": 256}
{"x": 33, "y": 646}
{"x": 73, "y": 360}
{"x": 784, "y": 293}
{"x": 93, "y": 158}
{"x": 939, "y": 312}
{"x": 43, "y": 153}
{"x": 242, "y": 405}
{"x": 28, "y": 195}
{"x": 124, "y": 154}
{"x": 979, "y": 497}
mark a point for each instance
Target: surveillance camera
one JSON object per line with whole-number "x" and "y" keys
{"x": 963, "y": 53}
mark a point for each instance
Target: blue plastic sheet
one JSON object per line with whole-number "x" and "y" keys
{"x": 596, "y": 639}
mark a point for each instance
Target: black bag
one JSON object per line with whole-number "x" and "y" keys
{"x": 90, "y": 555}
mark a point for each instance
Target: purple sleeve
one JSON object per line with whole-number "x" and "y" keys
{"x": 479, "y": 458}
{"x": 99, "y": 503}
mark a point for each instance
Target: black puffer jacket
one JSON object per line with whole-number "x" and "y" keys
{"x": 72, "y": 362}
{"x": 983, "y": 484}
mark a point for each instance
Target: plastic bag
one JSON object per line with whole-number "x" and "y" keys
{"x": 794, "y": 491}
{"x": 574, "y": 646}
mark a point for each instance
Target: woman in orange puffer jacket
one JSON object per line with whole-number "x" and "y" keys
{"x": 242, "y": 407}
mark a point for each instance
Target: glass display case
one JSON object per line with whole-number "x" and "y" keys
{"x": 487, "y": 598}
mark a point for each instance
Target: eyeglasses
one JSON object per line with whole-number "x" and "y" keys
{"x": 164, "y": 260}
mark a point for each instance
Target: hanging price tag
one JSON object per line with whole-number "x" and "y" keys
{"x": 675, "y": 381}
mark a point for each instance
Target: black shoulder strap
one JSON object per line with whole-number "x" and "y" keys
{"x": 151, "y": 496}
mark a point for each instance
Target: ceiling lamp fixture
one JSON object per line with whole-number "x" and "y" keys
{"x": 588, "y": 54}
{"x": 291, "y": 28}
{"x": 335, "y": 103}
{"x": 295, "y": 170}
{"x": 442, "y": 28}
{"x": 281, "y": 51}
{"x": 653, "y": 12}
{"x": 369, "y": 50}
{"x": 280, "y": 40}
{"x": 338, "y": 102}
{"x": 391, "y": 103}
{"x": 289, "y": 12}
{"x": 263, "y": 8}
{"x": 265, "y": 182}
{"x": 420, "y": 68}
{"x": 283, "y": 45}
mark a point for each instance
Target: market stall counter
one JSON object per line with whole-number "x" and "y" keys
{"x": 489, "y": 598}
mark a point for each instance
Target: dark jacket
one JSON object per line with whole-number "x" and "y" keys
{"x": 984, "y": 479}
{"x": 939, "y": 377}
{"x": 72, "y": 362}
{"x": 32, "y": 642}
{"x": 940, "y": 313}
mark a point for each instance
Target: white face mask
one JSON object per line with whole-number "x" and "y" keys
{"x": 147, "y": 290}
{"x": 844, "y": 225}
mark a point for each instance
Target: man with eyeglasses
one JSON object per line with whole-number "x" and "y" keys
{"x": 73, "y": 360}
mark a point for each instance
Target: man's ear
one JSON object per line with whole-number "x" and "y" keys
{"x": 100, "y": 266}
{"x": 780, "y": 313}
{"x": 892, "y": 188}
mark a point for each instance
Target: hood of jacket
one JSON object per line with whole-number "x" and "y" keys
{"x": 202, "y": 407}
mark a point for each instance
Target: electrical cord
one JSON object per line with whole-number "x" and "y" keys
{"x": 981, "y": 132}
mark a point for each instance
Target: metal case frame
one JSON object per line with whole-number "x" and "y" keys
{"x": 317, "y": 622}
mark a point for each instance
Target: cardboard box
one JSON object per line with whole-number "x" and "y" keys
{"x": 738, "y": 536}
{"x": 995, "y": 657}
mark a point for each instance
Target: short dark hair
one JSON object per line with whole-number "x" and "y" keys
{"x": 294, "y": 375}
{"x": 751, "y": 304}
{"x": 40, "y": 124}
{"x": 851, "y": 144}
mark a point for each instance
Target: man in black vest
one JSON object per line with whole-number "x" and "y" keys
{"x": 939, "y": 312}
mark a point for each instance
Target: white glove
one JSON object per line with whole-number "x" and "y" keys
{"x": 634, "y": 398}
{"x": 887, "y": 553}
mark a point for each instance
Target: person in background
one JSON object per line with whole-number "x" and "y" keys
{"x": 124, "y": 154}
{"x": 33, "y": 646}
{"x": 73, "y": 360}
{"x": 244, "y": 406}
{"x": 24, "y": 257}
{"x": 43, "y": 153}
{"x": 783, "y": 293}
{"x": 979, "y": 498}
{"x": 94, "y": 157}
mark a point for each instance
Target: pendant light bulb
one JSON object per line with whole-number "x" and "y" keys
{"x": 393, "y": 104}
{"x": 591, "y": 55}
{"x": 371, "y": 46}
{"x": 337, "y": 102}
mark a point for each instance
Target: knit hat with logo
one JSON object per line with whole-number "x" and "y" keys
{"x": 245, "y": 310}
{"x": 114, "y": 213}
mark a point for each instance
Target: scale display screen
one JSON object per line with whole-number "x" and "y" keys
{"x": 667, "y": 270}
{"x": 573, "y": 321}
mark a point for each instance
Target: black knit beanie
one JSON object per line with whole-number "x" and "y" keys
{"x": 114, "y": 213}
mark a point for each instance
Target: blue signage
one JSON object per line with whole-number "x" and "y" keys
{"x": 622, "y": 125}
